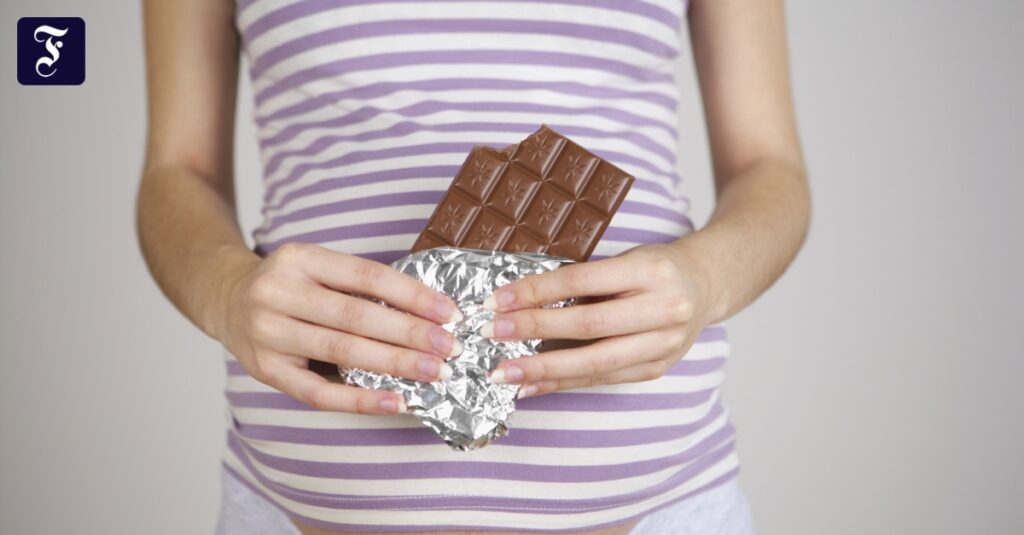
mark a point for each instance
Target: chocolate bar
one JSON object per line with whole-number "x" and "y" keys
{"x": 545, "y": 194}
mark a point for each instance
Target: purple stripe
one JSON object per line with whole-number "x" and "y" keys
{"x": 394, "y": 28}
{"x": 350, "y": 232}
{"x": 388, "y": 200}
{"x": 595, "y": 402}
{"x": 635, "y": 235}
{"x": 431, "y": 198}
{"x": 384, "y": 257}
{"x": 518, "y": 436}
{"x": 558, "y": 401}
{"x": 265, "y": 400}
{"x": 428, "y": 107}
{"x": 414, "y": 226}
{"x": 461, "y": 148}
{"x": 426, "y": 172}
{"x": 459, "y": 57}
{"x": 234, "y": 368}
{"x": 367, "y": 155}
{"x": 375, "y": 177}
{"x": 380, "y": 89}
{"x": 242, "y": 5}
{"x": 356, "y": 157}
{"x": 712, "y": 333}
{"x": 707, "y": 460}
{"x": 405, "y": 128}
{"x": 406, "y": 173}
{"x": 694, "y": 368}
{"x": 718, "y": 481}
{"x": 490, "y": 470}
{"x": 306, "y": 8}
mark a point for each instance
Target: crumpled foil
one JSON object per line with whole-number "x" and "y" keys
{"x": 468, "y": 411}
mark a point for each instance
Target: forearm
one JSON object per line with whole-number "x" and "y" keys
{"x": 191, "y": 241}
{"x": 759, "y": 224}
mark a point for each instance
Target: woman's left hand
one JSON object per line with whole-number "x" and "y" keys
{"x": 658, "y": 299}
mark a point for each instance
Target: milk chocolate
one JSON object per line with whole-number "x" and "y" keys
{"x": 545, "y": 194}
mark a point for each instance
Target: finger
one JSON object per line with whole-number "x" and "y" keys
{"x": 351, "y": 351}
{"x": 355, "y": 315}
{"x": 602, "y": 277}
{"x": 600, "y": 358}
{"x": 322, "y": 394}
{"x": 353, "y": 274}
{"x": 607, "y": 318}
{"x": 647, "y": 371}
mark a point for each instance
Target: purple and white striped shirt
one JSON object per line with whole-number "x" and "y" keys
{"x": 366, "y": 109}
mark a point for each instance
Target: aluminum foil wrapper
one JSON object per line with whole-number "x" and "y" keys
{"x": 467, "y": 411}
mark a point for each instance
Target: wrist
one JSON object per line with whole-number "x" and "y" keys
{"x": 698, "y": 262}
{"x": 230, "y": 267}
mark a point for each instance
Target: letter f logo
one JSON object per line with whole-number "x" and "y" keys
{"x": 52, "y": 47}
{"x": 51, "y": 51}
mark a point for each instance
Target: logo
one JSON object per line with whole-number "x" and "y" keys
{"x": 51, "y": 51}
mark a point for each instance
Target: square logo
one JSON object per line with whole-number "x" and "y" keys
{"x": 51, "y": 51}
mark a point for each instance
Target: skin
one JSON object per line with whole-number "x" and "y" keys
{"x": 275, "y": 313}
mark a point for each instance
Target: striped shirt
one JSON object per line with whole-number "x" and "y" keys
{"x": 365, "y": 110}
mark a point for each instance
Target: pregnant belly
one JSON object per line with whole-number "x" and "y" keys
{"x": 621, "y": 529}
{"x": 597, "y": 455}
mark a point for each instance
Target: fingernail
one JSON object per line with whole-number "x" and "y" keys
{"x": 446, "y": 372}
{"x": 390, "y": 405}
{"x": 444, "y": 342}
{"x": 456, "y": 348}
{"x": 499, "y": 299}
{"x": 500, "y": 328}
{"x": 510, "y": 374}
{"x": 527, "y": 390}
{"x": 447, "y": 311}
{"x": 504, "y": 328}
{"x": 429, "y": 368}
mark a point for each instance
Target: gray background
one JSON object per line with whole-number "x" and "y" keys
{"x": 875, "y": 387}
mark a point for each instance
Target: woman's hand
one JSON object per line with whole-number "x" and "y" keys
{"x": 659, "y": 301}
{"x": 296, "y": 305}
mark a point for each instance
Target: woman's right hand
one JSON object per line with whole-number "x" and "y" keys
{"x": 296, "y": 304}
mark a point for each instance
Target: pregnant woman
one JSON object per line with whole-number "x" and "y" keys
{"x": 365, "y": 110}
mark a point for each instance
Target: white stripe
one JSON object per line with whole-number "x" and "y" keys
{"x": 382, "y": 123}
{"x": 535, "y": 73}
{"x": 351, "y": 15}
{"x": 387, "y": 119}
{"x": 404, "y": 242}
{"x": 493, "y": 453}
{"x": 665, "y": 176}
{"x": 388, "y": 44}
{"x": 383, "y": 488}
{"x": 391, "y": 187}
{"x": 623, "y": 220}
{"x": 258, "y": 9}
{"x": 674, "y": 7}
{"x": 507, "y": 520}
{"x": 408, "y": 97}
{"x": 336, "y": 149}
